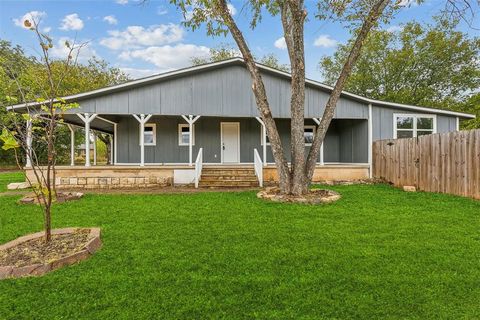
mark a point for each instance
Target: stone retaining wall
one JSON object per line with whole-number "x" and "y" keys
{"x": 104, "y": 177}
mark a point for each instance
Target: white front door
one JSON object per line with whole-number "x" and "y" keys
{"x": 230, "y": 142}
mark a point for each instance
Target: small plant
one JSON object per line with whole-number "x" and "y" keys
{"x": 34, "y": 132}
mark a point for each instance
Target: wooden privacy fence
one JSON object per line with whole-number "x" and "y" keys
{"x": 445, "y": 162}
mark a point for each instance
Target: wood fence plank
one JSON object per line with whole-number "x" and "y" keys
{"x": 447, "y": 162}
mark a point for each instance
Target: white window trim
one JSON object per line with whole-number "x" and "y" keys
{"x": 414, "y": 116}
{"x": 314, "y": 132}
{"x": 149, "y": 125}
{"x": 185, "y": 125}
{"x": 261, "y": 136}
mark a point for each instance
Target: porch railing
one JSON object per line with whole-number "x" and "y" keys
{"x": 258, "y": 163}
{"x": 198, "y": 166}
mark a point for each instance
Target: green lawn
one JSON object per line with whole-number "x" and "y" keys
{"x": 8, "y": 177}
{"x": 377, "y": 253}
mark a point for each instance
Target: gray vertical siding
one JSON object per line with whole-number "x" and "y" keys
{"x": 383, "y": 122}
{"x": 224, "y": 92}
{"x": 346, "y": 140}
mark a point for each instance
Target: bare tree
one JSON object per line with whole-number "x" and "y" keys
{"x": 36, "y": 129}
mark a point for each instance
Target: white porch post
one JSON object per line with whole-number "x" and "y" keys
{"x": 370, "y": 141}
{"x": 190, "y": 120}
{"x": 264, "y": 140}
{"x": 72, "y": 144}
{"x": 142, "y": 120}
{"x": 317, "y": 121}
{"x": 115, "y": 143}
{"x": 111, "y": 148}
{"x": 87, "y": 118}
{"x": 28, "y": 162}
{"x": 94, "y": 148}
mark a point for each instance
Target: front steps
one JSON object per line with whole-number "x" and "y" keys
{"x": 228, "y": 177}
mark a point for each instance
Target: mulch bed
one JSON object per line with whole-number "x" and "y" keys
{"x": 31, "y": 256}
{"x": 37, "y": 251}
{"x": 315, "y": 196}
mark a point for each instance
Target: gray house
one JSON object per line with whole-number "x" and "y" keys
{"x": 178, "y": 126}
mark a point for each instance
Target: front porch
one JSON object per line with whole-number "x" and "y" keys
{"x": 155, "y": 151}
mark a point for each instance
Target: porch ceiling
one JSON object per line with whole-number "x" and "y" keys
{"x": 96, "y": 124}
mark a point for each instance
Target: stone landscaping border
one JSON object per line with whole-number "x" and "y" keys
{"x": 315, "y": 196}
{"x": 94, "y": 243}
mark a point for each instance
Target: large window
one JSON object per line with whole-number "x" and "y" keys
{"x": 149, "y": 134}
{"x": 184, "y": 134}
{"x": 413, "y": 125}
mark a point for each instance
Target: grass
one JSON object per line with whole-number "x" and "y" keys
{"x": 8, "y": 177}
{"x": 376, "y": 253}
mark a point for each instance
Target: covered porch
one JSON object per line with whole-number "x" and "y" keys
{"x": 173, "y": 149}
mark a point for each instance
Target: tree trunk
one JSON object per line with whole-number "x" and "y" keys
{"x": 372, "y": 18}
{"x": 293, "y": 16}
{"x": 260, "y": 94}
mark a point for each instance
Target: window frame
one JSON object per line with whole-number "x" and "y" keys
{"x": 154, "y": 131}
{"x": 305, "y": 126}
{"x": 415, "y": 117}
{"x": 185, "y": 125}
{"x": 314, "y": 132}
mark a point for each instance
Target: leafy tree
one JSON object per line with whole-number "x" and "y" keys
{"x": 361, "y": 15}
{"x": 17, "y": 70}
{"x": 227, "y": 51}
{"x": 428, "y": 65}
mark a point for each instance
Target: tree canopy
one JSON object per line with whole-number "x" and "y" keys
{"x": 19, "y": 69}
{"x": 227, "y": 51}
{"x": 431, "y": 65}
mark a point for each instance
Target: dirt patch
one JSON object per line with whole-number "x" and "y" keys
{"x": 61, "y": 197}
{"x": 316, "y": 196}
{"x": 31, "y": 256}
{"x": 37, "y": 251}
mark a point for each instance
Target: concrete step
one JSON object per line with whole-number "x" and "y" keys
{"x": 224, "y": 172}
{"x": 228, "y": 178}
{"x": 227, "y": 184}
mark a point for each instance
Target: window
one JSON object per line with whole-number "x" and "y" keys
{"x": 184, "y": 134}
{"x": 413, "y": 125}
{"x": 149, "y": 134}
{"x": 261, "y": 137}
{"x": 309, "y": 134}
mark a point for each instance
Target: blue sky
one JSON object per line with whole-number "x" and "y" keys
{"x": 147, "y": 39}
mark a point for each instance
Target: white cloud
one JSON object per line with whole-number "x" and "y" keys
{"x": 139, "y": 73}
{"x": 280, "y": 43}
{"x": 394, "y": 28}
{"x": 161, "y": 10}
{"x": 167, "y": 57}
{"x": 47, "y": 29}
{"x": 110, "y": 19}
{"x": 84, "y": 53}
{"x": 232, "y": 9}
{"x": 71, "y": 22}
{"x": 137, "y": 36}
{"x": 325, "y": 41}
{"x": 408, "y": 3}
{"x": 122, "y": 2}
{"x": 30, "y": 16}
